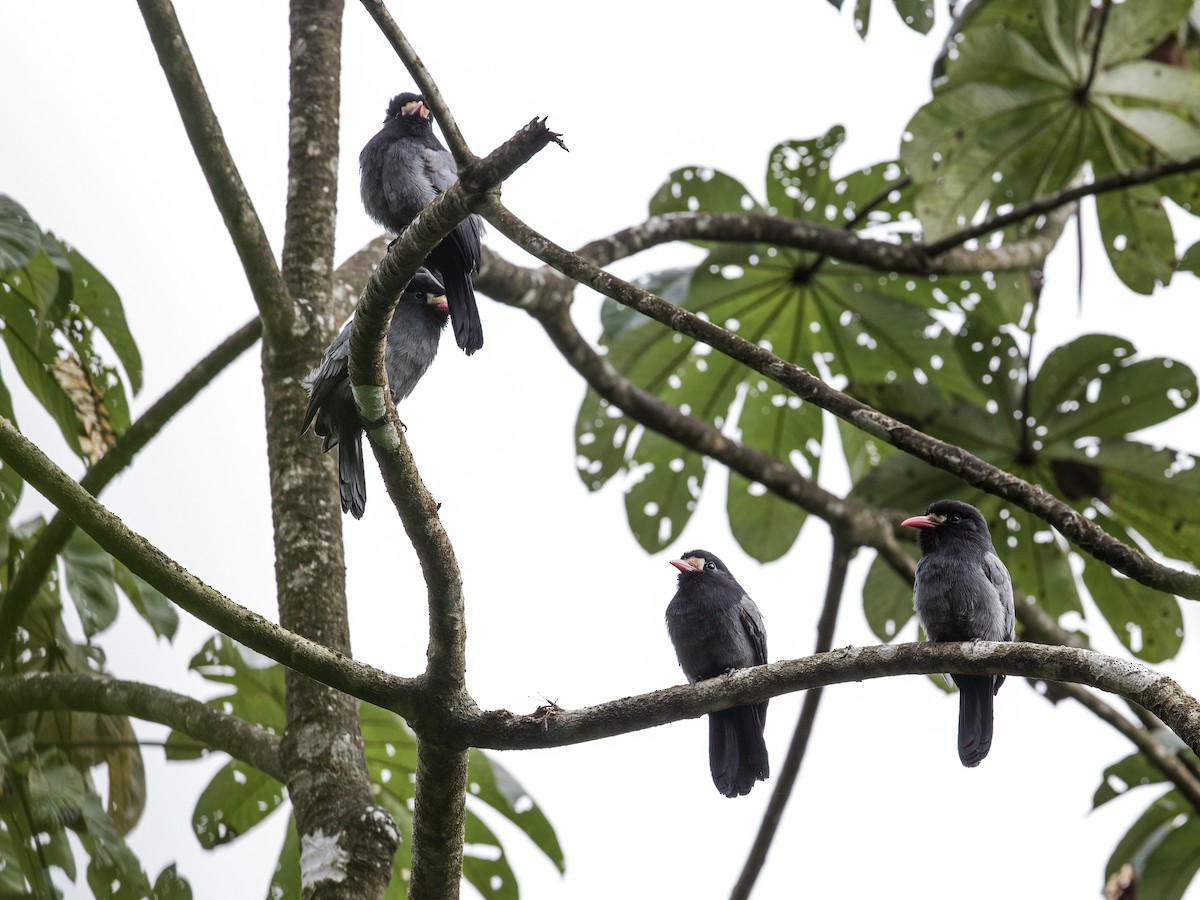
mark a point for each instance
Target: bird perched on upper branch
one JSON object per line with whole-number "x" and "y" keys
{"x": 963, "y": 593}
{"x": 716, "y": 627}
{"x": 412, "y": 343}
{"x": 403, "y": 168}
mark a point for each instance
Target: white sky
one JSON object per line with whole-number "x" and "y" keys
{"x": 562, "y": 602}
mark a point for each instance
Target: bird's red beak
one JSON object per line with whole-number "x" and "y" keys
{"x": 684, "y": 565}
{"x": 919, "y": 522}
{"x": 439, "y": 300}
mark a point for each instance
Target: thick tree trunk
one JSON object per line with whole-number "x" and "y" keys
{"x": 348, "y": 842}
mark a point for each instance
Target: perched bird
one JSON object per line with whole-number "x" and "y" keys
{"x": 402, "y": 170}
{"x": 716, "y": 627}
{"x": 412, "y": 343}
{"x": 963, "y": 593}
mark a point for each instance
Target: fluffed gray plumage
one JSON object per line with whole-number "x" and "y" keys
{"x": 963, "y": 593}
{"x": 716, "y": 627}
{"x": 402, "y": 169}
{"x": 412, "y": 343}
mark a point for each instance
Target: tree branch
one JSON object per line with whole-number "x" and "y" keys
{"x": 785, "y": 779}
{"x": 208, "y": 143}
{"x": 40, "y": 557}
{"x": 1159, "y": 756}
{"x": 1084, "y": 533}
{"x": 502, "y": 730}
{"x": 417, "y": 508}
{"x": 34, "y": 691}
{"x": 439, "y": 808}
{"x": 193, "y": 595}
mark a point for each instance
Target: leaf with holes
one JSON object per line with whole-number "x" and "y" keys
{"x": 1147, "y": 622}
{"x": 1029, "y": 99}
{"x": 887, "y": 599}
{"x": 806, "y": 308}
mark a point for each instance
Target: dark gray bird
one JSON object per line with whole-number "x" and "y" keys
{"x": 716, "y": 627}
{"x": 963, "y": 593}
{"x": 402, "y": 170}
{"x": 412, "y": 343}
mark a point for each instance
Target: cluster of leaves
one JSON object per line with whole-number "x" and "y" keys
{"x": 1029, "y": 98}
{"x": 1034, "y": 93}
{"x": 54, "y": 305}
{"x": 47, "y": 758}
{"x": 1162, "y": 848}
{"x": 239, "y": 797}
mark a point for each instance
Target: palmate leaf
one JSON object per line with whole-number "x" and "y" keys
{"x": 843, "y": 319}
{"x": 1021, "y": 111}
{"x": 239, "y": 798}
{"x": 1071, "y": 438}
{"x": 53, "y": 303}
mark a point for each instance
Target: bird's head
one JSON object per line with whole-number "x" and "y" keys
{"x": 425, "y": 288}
{"x": 699, "y": 562}
{"x": 949, "y": 520}
{"x": 407, "y": 107}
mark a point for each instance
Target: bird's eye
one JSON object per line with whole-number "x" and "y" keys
{"x": 954, "y": 520}
{"x": 420, "y": 295}
{"x": 711, "y": 566}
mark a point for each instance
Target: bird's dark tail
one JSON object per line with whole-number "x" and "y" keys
{"x": 352, "y": 478}
{"x": 737, "y": 753}
{"x": 332, "y": 414}
{"x": 975, "y": 694}
{"x": 455, "y": 260}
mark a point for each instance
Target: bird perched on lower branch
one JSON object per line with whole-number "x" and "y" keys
{"x": 715, "y": 628}
{"x": 403, "y": 169}
{"x": 412, "y": 343}
{"x": 963, "y": 593}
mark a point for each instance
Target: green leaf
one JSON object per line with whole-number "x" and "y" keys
{"x": 90, "y": 582}
{"x": 1190, "y": 261}
{"x": 238, "y": 798}
{"x": 694, "y": 188}
{"x": 170, "y": 885}
{"x": 159, "y": 612}
{"x": 20, "y": 238}
{"x": 661, "y": 500}
{"x": 494, "y": 785}
{"x": 916, "y": 14}
{"x": 113, "y": 872}
{"x": 11, "y": 483}
{"x": 1172, "y": 865}
{"x": 1109, "y": 395}
{"x": 56, "y": 791}
{"x": 1145, "y": 835}
{"x": 1154, "y": 492}
{"x": 1148, "y": 623}
{"x": 1137, "y": 237}
{"x": 1028, "y": 102}
{"x": 1038, "y": 562}
{"x": 98, "y": 301}
{"x": 286, "y": 880}
{"x": 485, "y": 867}
{"x": 887, "y": 598}
{"x": 1124, "y": 775}
{"x": 32, "y": 352}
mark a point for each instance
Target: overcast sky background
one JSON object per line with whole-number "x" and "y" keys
{"x": 562, "y": 603}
